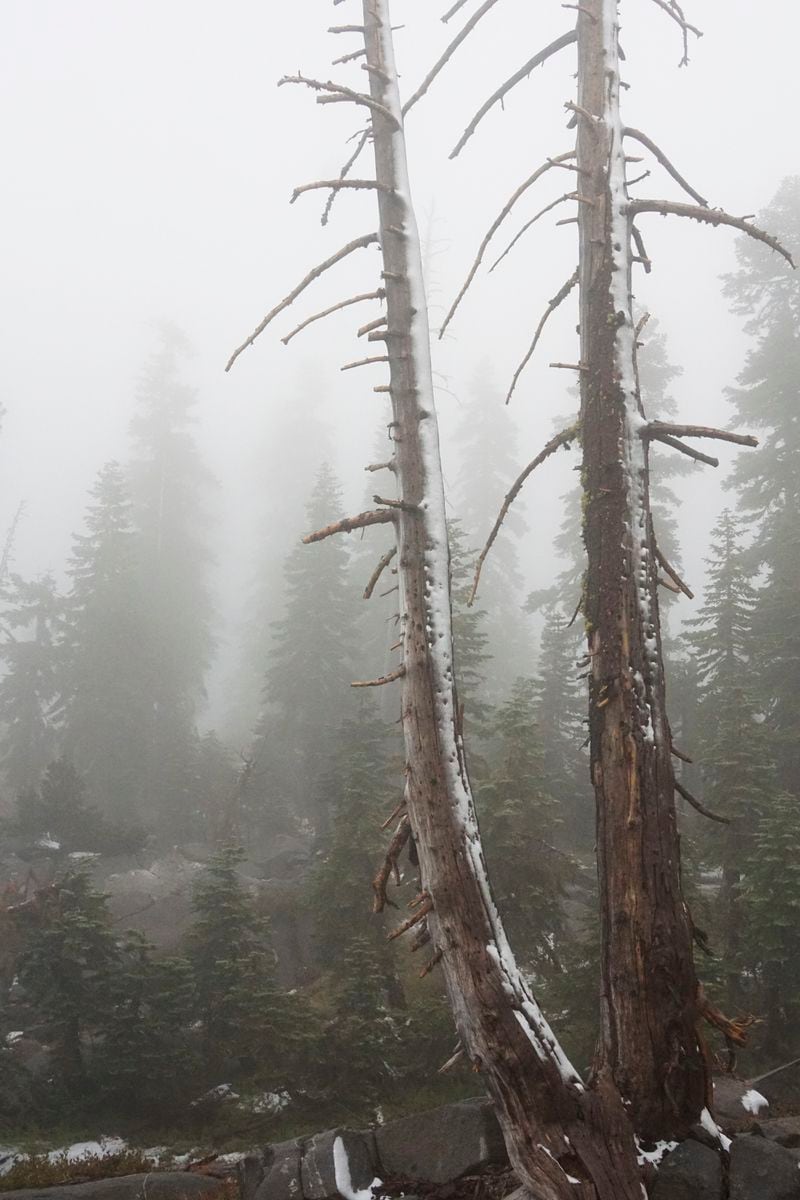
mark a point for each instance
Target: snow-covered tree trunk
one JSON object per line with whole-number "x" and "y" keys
{"x": 564, "y": 1140}
{"x": 649, "y": 1039}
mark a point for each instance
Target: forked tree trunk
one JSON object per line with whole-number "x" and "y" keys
{"x": 649, "y": 1035}
{"x": 563, "y": 1140}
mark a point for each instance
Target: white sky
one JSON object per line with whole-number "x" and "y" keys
{"x": 148, "y": 160}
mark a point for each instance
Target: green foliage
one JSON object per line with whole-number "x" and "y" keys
{"x": 29, "y": 708}
{"x": 58, "y": 810}
{"x": 42, "y": 1171}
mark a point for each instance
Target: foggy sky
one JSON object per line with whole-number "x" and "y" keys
{"x": 148, "y": 161}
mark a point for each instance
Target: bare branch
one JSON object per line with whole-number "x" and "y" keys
{"x": 701, "y": 808}
{"x": 381, "y": 680}
{"x": 673, "y": 10}
{"x": 561, "y": 366}
{"x": 381, "y": 516}
{"x": 370, "y": 325}
{"x": 326, "y": 312}
{"x": 711, "y": 216}
{"x": 527, "y": 225}
{"x": 369, "y": 239}
{"x": 431, "y": 963}
{"x": 552, "y": 305}
{"x": 689, "y": 451}
{"x": 334, "y": 92}
{"x": 523, "y": 187}
{"x": 365, "y": 362}
{"x": 337, "y": 185}
{"x": 644, "y": 257}
{"x": 448, "y": 54}
{"x": 561, "y": 439}
{"x": 345, "y": 29}
{"x": 566, "y": 39}
{"x": 425, "y": 906}
{"x": 701, "y": 431}
{"x": 679, "y": 754}
{"x": 346, "y": 58}
{"x": 452, "y": 11}
{"x": 362, "y": 141}
{"x": 673, "y": 574}
{"x": 384, "y": 466}
{"x": 389, "y": 865}
{"x": 376, "y": 574}
{"x": 658, "y": 153}
{"x": 451, "y": 1062}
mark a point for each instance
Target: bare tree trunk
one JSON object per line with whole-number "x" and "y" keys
{"x": 649, "y": 1035}
{"x": 563, "y": 1140}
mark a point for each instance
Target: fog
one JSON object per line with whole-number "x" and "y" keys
{"x": 149, "y": 160}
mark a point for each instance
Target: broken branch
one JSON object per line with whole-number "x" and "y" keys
{"x": 365, "y": 362}
{"x": 673, "y": 574}
{"x": 368, "y": 239}
{"x": 552, "y": 305}
{"x": 701, "y": 431}
{"x": 527, "y": 225}
{"x": 348, "y": 524}
{"x": 566, "y": 39}
{"x": 389, "y": 865}
{"x": 333, "y": 92}
{"x": 362, "y": 141}
{"x": 426, "y": 905}
{"x": 689, "y": 451}
{"x": 336, "y": 184}
{"x": 561, "y": 439}
{"x": 382, "y": 679}
{"x": 326, "y": 312}
{"x": 674, "y": 11}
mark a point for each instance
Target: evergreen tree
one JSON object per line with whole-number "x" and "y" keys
{"x": 308, "y": 676}
{"x": 519, "y": 821}
{"x": 471, "y": 640}
{"x": 32, "y": 622}
{"x": 768, "y": 479}
{"x": 107, "y": 663}
{"x": 244, "y": 1014}
{"x": 169, "y": 486}
{"x": 65, "y": 968}
{"x": 733, "y": 744}
{"x": 366, "y": 1035}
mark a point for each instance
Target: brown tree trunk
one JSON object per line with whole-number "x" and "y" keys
{"x": 649, "y": 1037}
{"x": 564, "y": 1141}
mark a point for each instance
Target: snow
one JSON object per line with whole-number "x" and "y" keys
{"x": 341, "y": 1173}
{"x": 103, "y": 1148}
{"x": 753, "y": 1102}
{"x": 13, "y": 1036}
{"x": 48, "y": 843}
{"x": 655, "y": 1155}
{"x": 711, "y": 1126}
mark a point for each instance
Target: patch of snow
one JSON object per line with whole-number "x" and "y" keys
{"x": 12, "y": 1037}
{"x": 341, "y": 1174}
{"x": 753, "y": 1102}
{"x": 655, "y": 1155}
{"x": 711, "y": 1126}
{"x": 266, "y": 1102}
{"x": 48, "y": 843}
{"x": 103, "y": 1148}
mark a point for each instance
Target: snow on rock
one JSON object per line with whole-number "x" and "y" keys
{"x": 344, "y": 1183}
{"x": 711, "y": 1126}
{"x": 753, "y": 1102}
{"x": 655, "y": 1155}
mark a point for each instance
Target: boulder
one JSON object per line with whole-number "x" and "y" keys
{"x": 281, "y": 1174}
{"x": 250, "y": 1172}
{"x": 155, "y": 1185}
{"x": 763, "y": 1170}
{"x": 690, "y": 1172}
{"x": 440, "y": 1145}
{"x": 782, "y": 1085}
{"x": 327, "y": 1159}
{"x": 783, "y": 1130}
{"x": 737, "y": 1103}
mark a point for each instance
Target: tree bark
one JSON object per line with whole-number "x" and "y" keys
{"x": 563, "y": 1139}
{"x": 649, "y": 1037}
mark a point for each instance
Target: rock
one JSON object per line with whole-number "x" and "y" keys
{"x": 440, "y": 1145}
{"x": 327, "y": 1155}
{"x": 763, "y": 1170}
{"x": 781, "y": 1086}
{"x": 155, "y": 1185}
{"x": 250, "y": 1171}
{"x": 783, "y": 1130}
{"x": 281, "y": 1178}
{"x": 736, "y": 1103}
{"x": 690, "y": 1172}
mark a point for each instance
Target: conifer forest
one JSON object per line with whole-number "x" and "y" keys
{"x": 400, "y": 690}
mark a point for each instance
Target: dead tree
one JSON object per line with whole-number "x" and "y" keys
{"x": 652, "y": 1006}
{"x": 564, "y": 1138}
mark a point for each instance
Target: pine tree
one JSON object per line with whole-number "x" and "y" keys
{"x": 308, "y": 676}
{"x": 366, "y": 1036}
{"x": 169, "y": 486}
{"x": 768, "y": 479}
{"x": 107, "y": 662}
{"x": 733, "y": 744}
{"x": 65, "y": 967}
{"x": 471, "y": 641}
{"x": 30, "y": 723}
{"x": 520, "y": 822}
